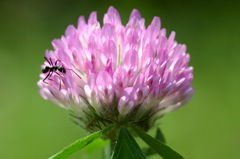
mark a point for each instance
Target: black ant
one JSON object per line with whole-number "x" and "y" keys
{"x": 54, "y": 68}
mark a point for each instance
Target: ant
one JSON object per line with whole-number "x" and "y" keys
{"x": 54, "y": 68}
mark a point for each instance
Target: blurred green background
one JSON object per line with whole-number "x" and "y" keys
{"x": 208, "y": 127}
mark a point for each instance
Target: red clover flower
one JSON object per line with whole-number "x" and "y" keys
{"x": 117, "y": 74}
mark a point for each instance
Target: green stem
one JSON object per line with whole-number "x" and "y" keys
{"x": 106, "y": 153}
{"x": 108, "y": 150}
{"x": 112, "y": 145}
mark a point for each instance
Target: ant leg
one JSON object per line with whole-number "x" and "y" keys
{"x": 60, "y": 77}
{"x": 51, "y": 61}
{"x": 48, "y": 76}
{"x": 60, "y": 84}
{"x": 48, "y": 61}
{"x": 56, "y": 62}
{"x": 59, "y": 74}
{"x": 74, "y": 72}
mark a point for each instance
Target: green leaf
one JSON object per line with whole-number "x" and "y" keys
{"x": 161, "y": 148}
{"x": 159, "y": 136}
{"x": 79, "y": 144}
{"x": 126, "y": 147}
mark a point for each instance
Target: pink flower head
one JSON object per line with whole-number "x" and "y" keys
{"x": 115, "y": 73}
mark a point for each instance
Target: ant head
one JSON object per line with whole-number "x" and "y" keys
{"x": 45, "y": 69}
